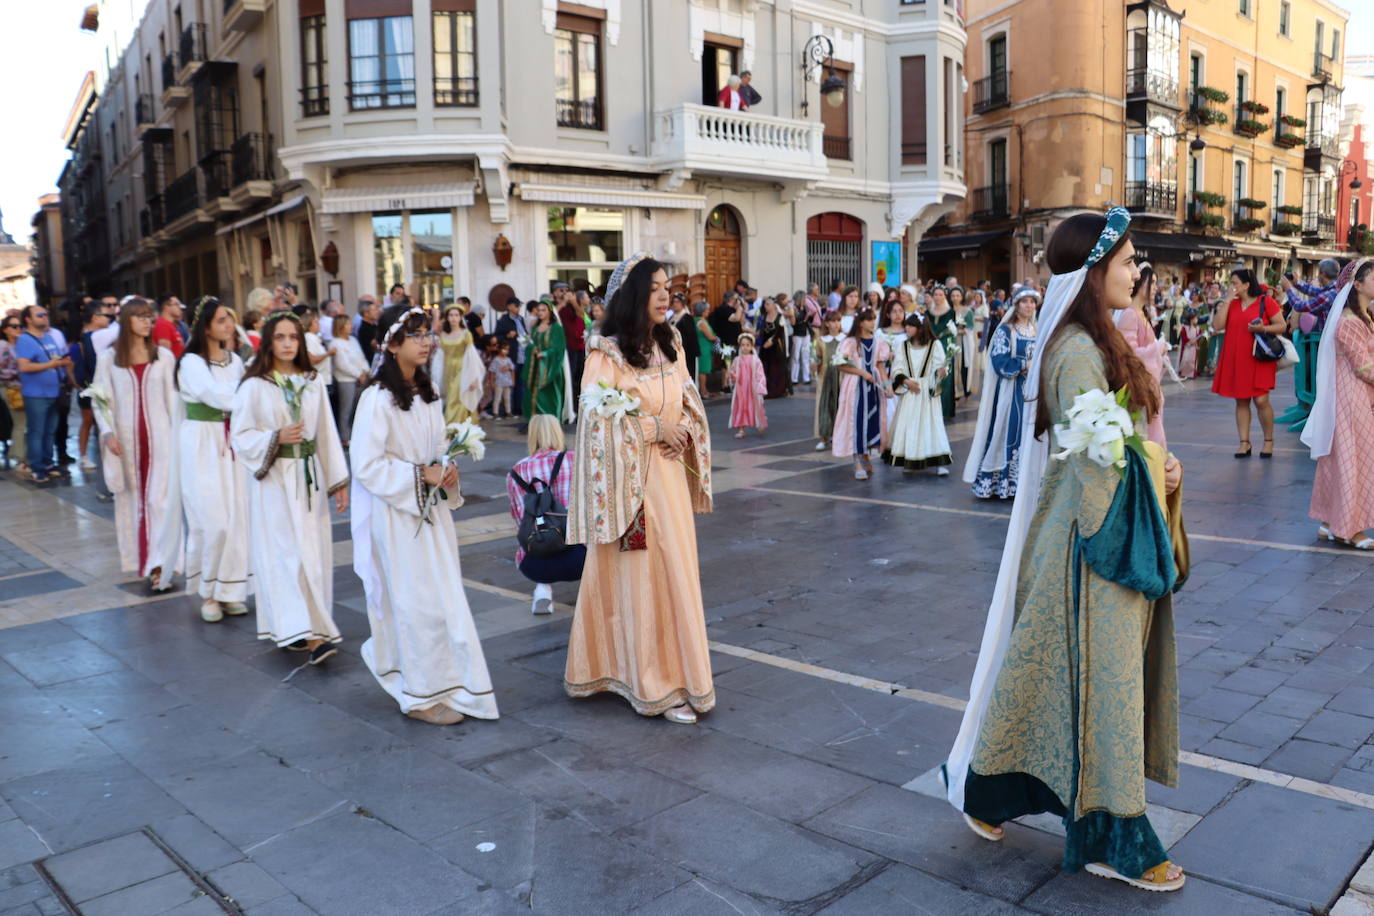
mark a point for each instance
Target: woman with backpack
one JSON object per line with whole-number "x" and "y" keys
{"x": 424, "y": 649}
{"x": 548, "y": 469}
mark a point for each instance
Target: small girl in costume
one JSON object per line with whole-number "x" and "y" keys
{"x": 746, "y": 374}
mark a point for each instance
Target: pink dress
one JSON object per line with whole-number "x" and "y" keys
{"x": 853, "y": 390}
{"x": 746, "y": 404}
{"x": 1343, "y": 491}
{"x": 1142, "y": 339}
{"x": 1188, "y": 339}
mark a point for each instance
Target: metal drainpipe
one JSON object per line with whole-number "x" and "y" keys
{"x": 647, "y": 59}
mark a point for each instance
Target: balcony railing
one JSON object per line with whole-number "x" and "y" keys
{"x": 169, "y": 70}
{"x": 836, "y": 147}
{"x": 581, "y": 113}
{"x": 157, "y": 212}
{"x": 1246, "y": 219}
{"x": 989, "y": 202}
{"x": 193, "y": 44}
{"x": 1141, "y": 79}
{"x": 218, "y": 181}
{"x": 455, "y": 91}
{"x": 252, "y": 158}
{"x": 1323, "y": 66}
{"x": 1160, "y": 197}
{"x": 704, "y": 138}
{"x": 1248, "y": 119}
{"x": 1284, "y": 223}
{"x": 1316, "y": 226}
{"x": 183, "y": 195}
{"x": 314, "y": 101}
{"x": 144, "y": 113}
{"x": 992, "y": 92}
{"x": 366, "y": 94}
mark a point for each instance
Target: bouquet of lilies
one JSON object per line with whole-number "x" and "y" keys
{"x": 464, "y": 438}
{"x": 839, "y": 360}
{"x": 293, "y": 390}
{"x": 1100, "y": 428}
{"x": 100, "y": 400}
{"x": 727, "y": 353}
{"x": 610, "y": 403}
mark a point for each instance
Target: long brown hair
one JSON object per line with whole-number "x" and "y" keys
{"x": 127, "y": 339}
{"x": 1353, "y": 302}
{"x": 863, "y": 314}
{"x": 1066, "y": 252}
{"x": 262, "y": 366}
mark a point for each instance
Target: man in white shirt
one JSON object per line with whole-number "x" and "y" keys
{"x": 103, "y": 339}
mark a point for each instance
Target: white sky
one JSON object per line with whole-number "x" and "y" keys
{"x": 44, "y": 54}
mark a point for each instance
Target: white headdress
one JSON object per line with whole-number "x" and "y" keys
{"x": 1321, "y": 423}
{"x": 622, "y": 271}
{"x": 990, "y": 428}
{"x": 1059, "y": 296}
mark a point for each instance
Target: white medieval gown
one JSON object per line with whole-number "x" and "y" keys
{"x": 143, "y": 479}
{"x": 213, "y": 489}
{"x": 290, "y": 547}
{"x": 917, "y": 437}
{"x": 424, "y": 649}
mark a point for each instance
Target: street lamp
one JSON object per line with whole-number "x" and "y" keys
{"x": 1350, "y": 167}
{"x": 819, "y": 51}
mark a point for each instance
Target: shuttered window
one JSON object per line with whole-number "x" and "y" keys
{"x": 914, "y": 110}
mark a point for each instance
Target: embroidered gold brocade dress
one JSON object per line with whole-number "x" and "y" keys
{"x": 640, "y": 629}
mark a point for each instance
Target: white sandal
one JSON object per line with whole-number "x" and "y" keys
{"x": 986, "y": 831}
{"x": 1364, "y": 543}
{"x": 1324, "y": 533}
{"x": 1154, "y": 879}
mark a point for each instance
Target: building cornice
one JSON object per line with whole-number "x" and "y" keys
{"x": 879, "y": 28}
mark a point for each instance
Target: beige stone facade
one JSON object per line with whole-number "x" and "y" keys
{"x": 256, "y": 142}
{"x": 1071, "y": 110}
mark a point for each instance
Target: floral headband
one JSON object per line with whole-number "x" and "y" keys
{"x": 399, "y": 323}
{"x": 622, "y": 271}
{"x": 1022, "y": 293}
{"x": 1118, "y": 221}
{"x": 201, "y": 303}
{"x": 282, "y": 313}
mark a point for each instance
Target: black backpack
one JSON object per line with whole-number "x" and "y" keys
{"x": 544, "y": 523}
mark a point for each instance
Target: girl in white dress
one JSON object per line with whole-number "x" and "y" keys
{"x": 424, "y": 649}
{"x": 296, "y": 463}
{"x": 213, "y": 491}
{"x": 917, "y": 438}
{"x": 350, "y": 370}
{"x": 138, "y": 436}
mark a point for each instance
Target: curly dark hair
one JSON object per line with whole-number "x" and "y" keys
{"x": 627, "y": 318}
{"x": 389, "y": 375}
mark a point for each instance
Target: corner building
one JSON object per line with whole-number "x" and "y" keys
{"x": 1218, "y": 123}
{"x": 484, "y": 148}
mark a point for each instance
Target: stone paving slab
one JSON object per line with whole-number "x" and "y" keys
{"x": 315, "y": 795}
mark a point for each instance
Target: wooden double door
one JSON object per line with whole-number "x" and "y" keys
{"x": 722, "y": 253}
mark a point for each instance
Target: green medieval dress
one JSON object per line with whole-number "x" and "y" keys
{"x": 1085, "y": 706}
{"x": 946, "y": 330}
{"x": 544, "y": 378}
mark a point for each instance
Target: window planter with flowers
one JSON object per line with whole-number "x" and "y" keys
{"x": 1211, "y": 221}
{"x": 1285, "y": 228}
{"x": 1251, "y": 203}
{"x": 1289, "y": 210}
{"x": 1203, "y": 111}
{"x": 1247, "y": 224}
{"x": 1246, "y": 124}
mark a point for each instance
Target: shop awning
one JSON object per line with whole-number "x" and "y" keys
{"x": 1316, "y": 254}
{"x": 290, "y": 204}
{"x": 407, "y": 197}
{"x": 1256, "y": 250}
{"x": 1181, "y": 246}
{"x": 958, "y": 245}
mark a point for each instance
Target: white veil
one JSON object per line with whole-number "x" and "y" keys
{"x": 1063, "y": 290}
{"x": 1316, "y": 434}
{"x": 980, "y": 456}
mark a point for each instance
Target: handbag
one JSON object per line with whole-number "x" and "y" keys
{"x": 1268, "y": 347}
{"x": 1290, "y": 354}
{"x": 14, "y": 397}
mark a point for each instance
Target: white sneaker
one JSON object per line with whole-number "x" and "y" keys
{"x": 211, "y": 612}
{"x": 820, "y": 446}
{"x": 942, "y": 471}
{"x": 543, "y": 599}
{"x": 87, "y": 464}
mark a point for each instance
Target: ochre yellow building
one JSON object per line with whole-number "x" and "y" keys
{"x": 1215, "y": 121}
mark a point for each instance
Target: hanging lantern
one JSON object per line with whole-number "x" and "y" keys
{"x": 503, "y": 251}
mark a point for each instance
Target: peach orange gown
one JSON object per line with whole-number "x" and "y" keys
{"x": 640, "y": 627}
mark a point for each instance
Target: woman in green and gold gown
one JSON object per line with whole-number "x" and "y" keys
{"x": 945, "y": 323}
{"x": 545, "y": 364}
{"x": 1082, "y": 705}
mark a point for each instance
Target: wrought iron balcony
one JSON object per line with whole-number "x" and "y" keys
{"x": 1143, "y": 81}
{"x": 252, "y": 158}
{"x": 992, "y": 92}
{"x": 366, "y": 94}
{"x": 183, "y": 195}
{"x": 144, "y": 113}
{"x": 192, "y": 44}
{"x": 1154, "y": 197}
{"x": 314, "y": 101}
{"x": 1317, "y": 226}
{"x": 169, "y": 70}
{"x": 989, "y": 202}
{"x": 581, "y": 113}
{"x": 455, "y": 91}
{"x": 217, "y": 178}
{"x": 1323, "y": 66}
{"x": 243, "y": 15}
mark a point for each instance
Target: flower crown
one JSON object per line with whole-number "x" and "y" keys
{"x": 200, "y": 305}
{"x": 622, "y": 271}
{"x": 282, "y": 313}
{"x": 1118, "y": 221}
{"x": 399, "y": 323}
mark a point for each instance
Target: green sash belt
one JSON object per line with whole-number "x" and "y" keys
{"x": 303, "y": 449}
{"x": 205, "y": 413}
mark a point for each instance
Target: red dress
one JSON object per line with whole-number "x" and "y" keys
{"x": 1239, "y": 374}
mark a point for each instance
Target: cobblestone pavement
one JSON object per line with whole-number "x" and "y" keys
{"x": 151, "y": 763}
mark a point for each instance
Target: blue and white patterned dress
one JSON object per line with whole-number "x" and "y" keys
{"x": 1010, "y": 353}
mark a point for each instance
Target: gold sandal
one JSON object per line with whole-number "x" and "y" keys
{"x": 1154, "y": 879}
{"x": 984, "y": 830}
